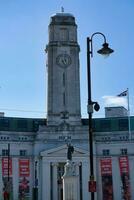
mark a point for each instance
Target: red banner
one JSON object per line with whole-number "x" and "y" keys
{"x": 124, "y": 172}
{"x": 24, "y": 174}
{"x": 92, "y": 186}
{"x": 106, "y": 174}
{"x": 7, "y": 175}
{"x": 24, "y": 168}
{"x": 6, "y": 165}
{"x": 106, "y": 166}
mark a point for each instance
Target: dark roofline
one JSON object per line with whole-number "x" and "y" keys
{"x": 18, "y": 124}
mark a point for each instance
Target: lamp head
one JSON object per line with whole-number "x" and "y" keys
{"x": 105, "y": 50}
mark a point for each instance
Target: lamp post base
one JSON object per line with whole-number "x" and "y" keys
{"x": 35, "y": 193}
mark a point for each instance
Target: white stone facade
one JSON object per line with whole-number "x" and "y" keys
{"x": 50, "y": 152}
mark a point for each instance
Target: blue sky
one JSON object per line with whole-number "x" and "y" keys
{"x": 24, "y": 35}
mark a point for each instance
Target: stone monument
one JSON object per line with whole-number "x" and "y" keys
{"x": 71, "y": 189}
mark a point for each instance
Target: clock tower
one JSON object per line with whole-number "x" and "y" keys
{"x": 63, "y": 98}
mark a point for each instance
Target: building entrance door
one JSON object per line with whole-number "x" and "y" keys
{"x": 60, "y": 182}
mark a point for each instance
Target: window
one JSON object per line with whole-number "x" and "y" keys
{"x": 123, "y": 151}
{"x": 35, "y": 125}
{"x": 4, "y": 152}
{"x": 123, "y": 124}
{"x": 105, "y": 125}
{"x": 23, "y": 152}
{"x": 22, "y": 123}
{"x": 4, "y": 123}
{"x": 106, "y": 152}
{"x": 124, "y": 137}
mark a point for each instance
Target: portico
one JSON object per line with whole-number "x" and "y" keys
{"x": 52, "y": 166}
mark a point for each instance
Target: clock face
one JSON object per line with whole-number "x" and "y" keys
{"x": 63, "y": 60}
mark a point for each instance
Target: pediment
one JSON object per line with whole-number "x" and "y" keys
{"x": 62, "y": 152}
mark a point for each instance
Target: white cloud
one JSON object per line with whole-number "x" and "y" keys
{"x": 115, "y": 101}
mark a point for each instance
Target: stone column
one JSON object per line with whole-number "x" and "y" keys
{"x": 15, "y": 178}
{"x": 55, "y": 186}
{"x": 77, "y": 165}
{"x": 116, "y": 178}
{"x": 77, "y": 170}
{"x": 71, "y": 189}
{"x": 1, "y": 182}
{"x": 45, "y": 180}
{"x": 85, "y": 179}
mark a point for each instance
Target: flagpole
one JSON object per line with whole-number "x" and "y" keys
{"x": 129, "y": 124}
{"x": 8, "y": 171}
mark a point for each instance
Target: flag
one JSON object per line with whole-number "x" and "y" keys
{"x": 122, "y": 94}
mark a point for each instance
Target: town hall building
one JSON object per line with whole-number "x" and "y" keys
{"x": 33, "y": 152}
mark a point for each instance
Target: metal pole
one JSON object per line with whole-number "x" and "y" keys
{"x": 36, "y": 183}
{"x": 8, "y": 170}
{"x": 104, "y": 51}
{"x": 90, "y": 110}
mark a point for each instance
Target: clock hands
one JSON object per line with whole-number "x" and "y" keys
{"x": 64, "y": 61}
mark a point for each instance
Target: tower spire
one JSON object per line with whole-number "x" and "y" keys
{"x": 63, "y": 102}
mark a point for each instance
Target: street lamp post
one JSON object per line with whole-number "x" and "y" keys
{"x": 35, "y": 189}
{"x": 93, "y": 105}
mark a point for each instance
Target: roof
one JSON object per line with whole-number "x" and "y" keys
{"x": 110, "y": 124}
{"x": 20, "y": 124}
{"x": 32, "y": 124}
{"x": 62, "y": 14}
{"x": 62, "y": 19}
